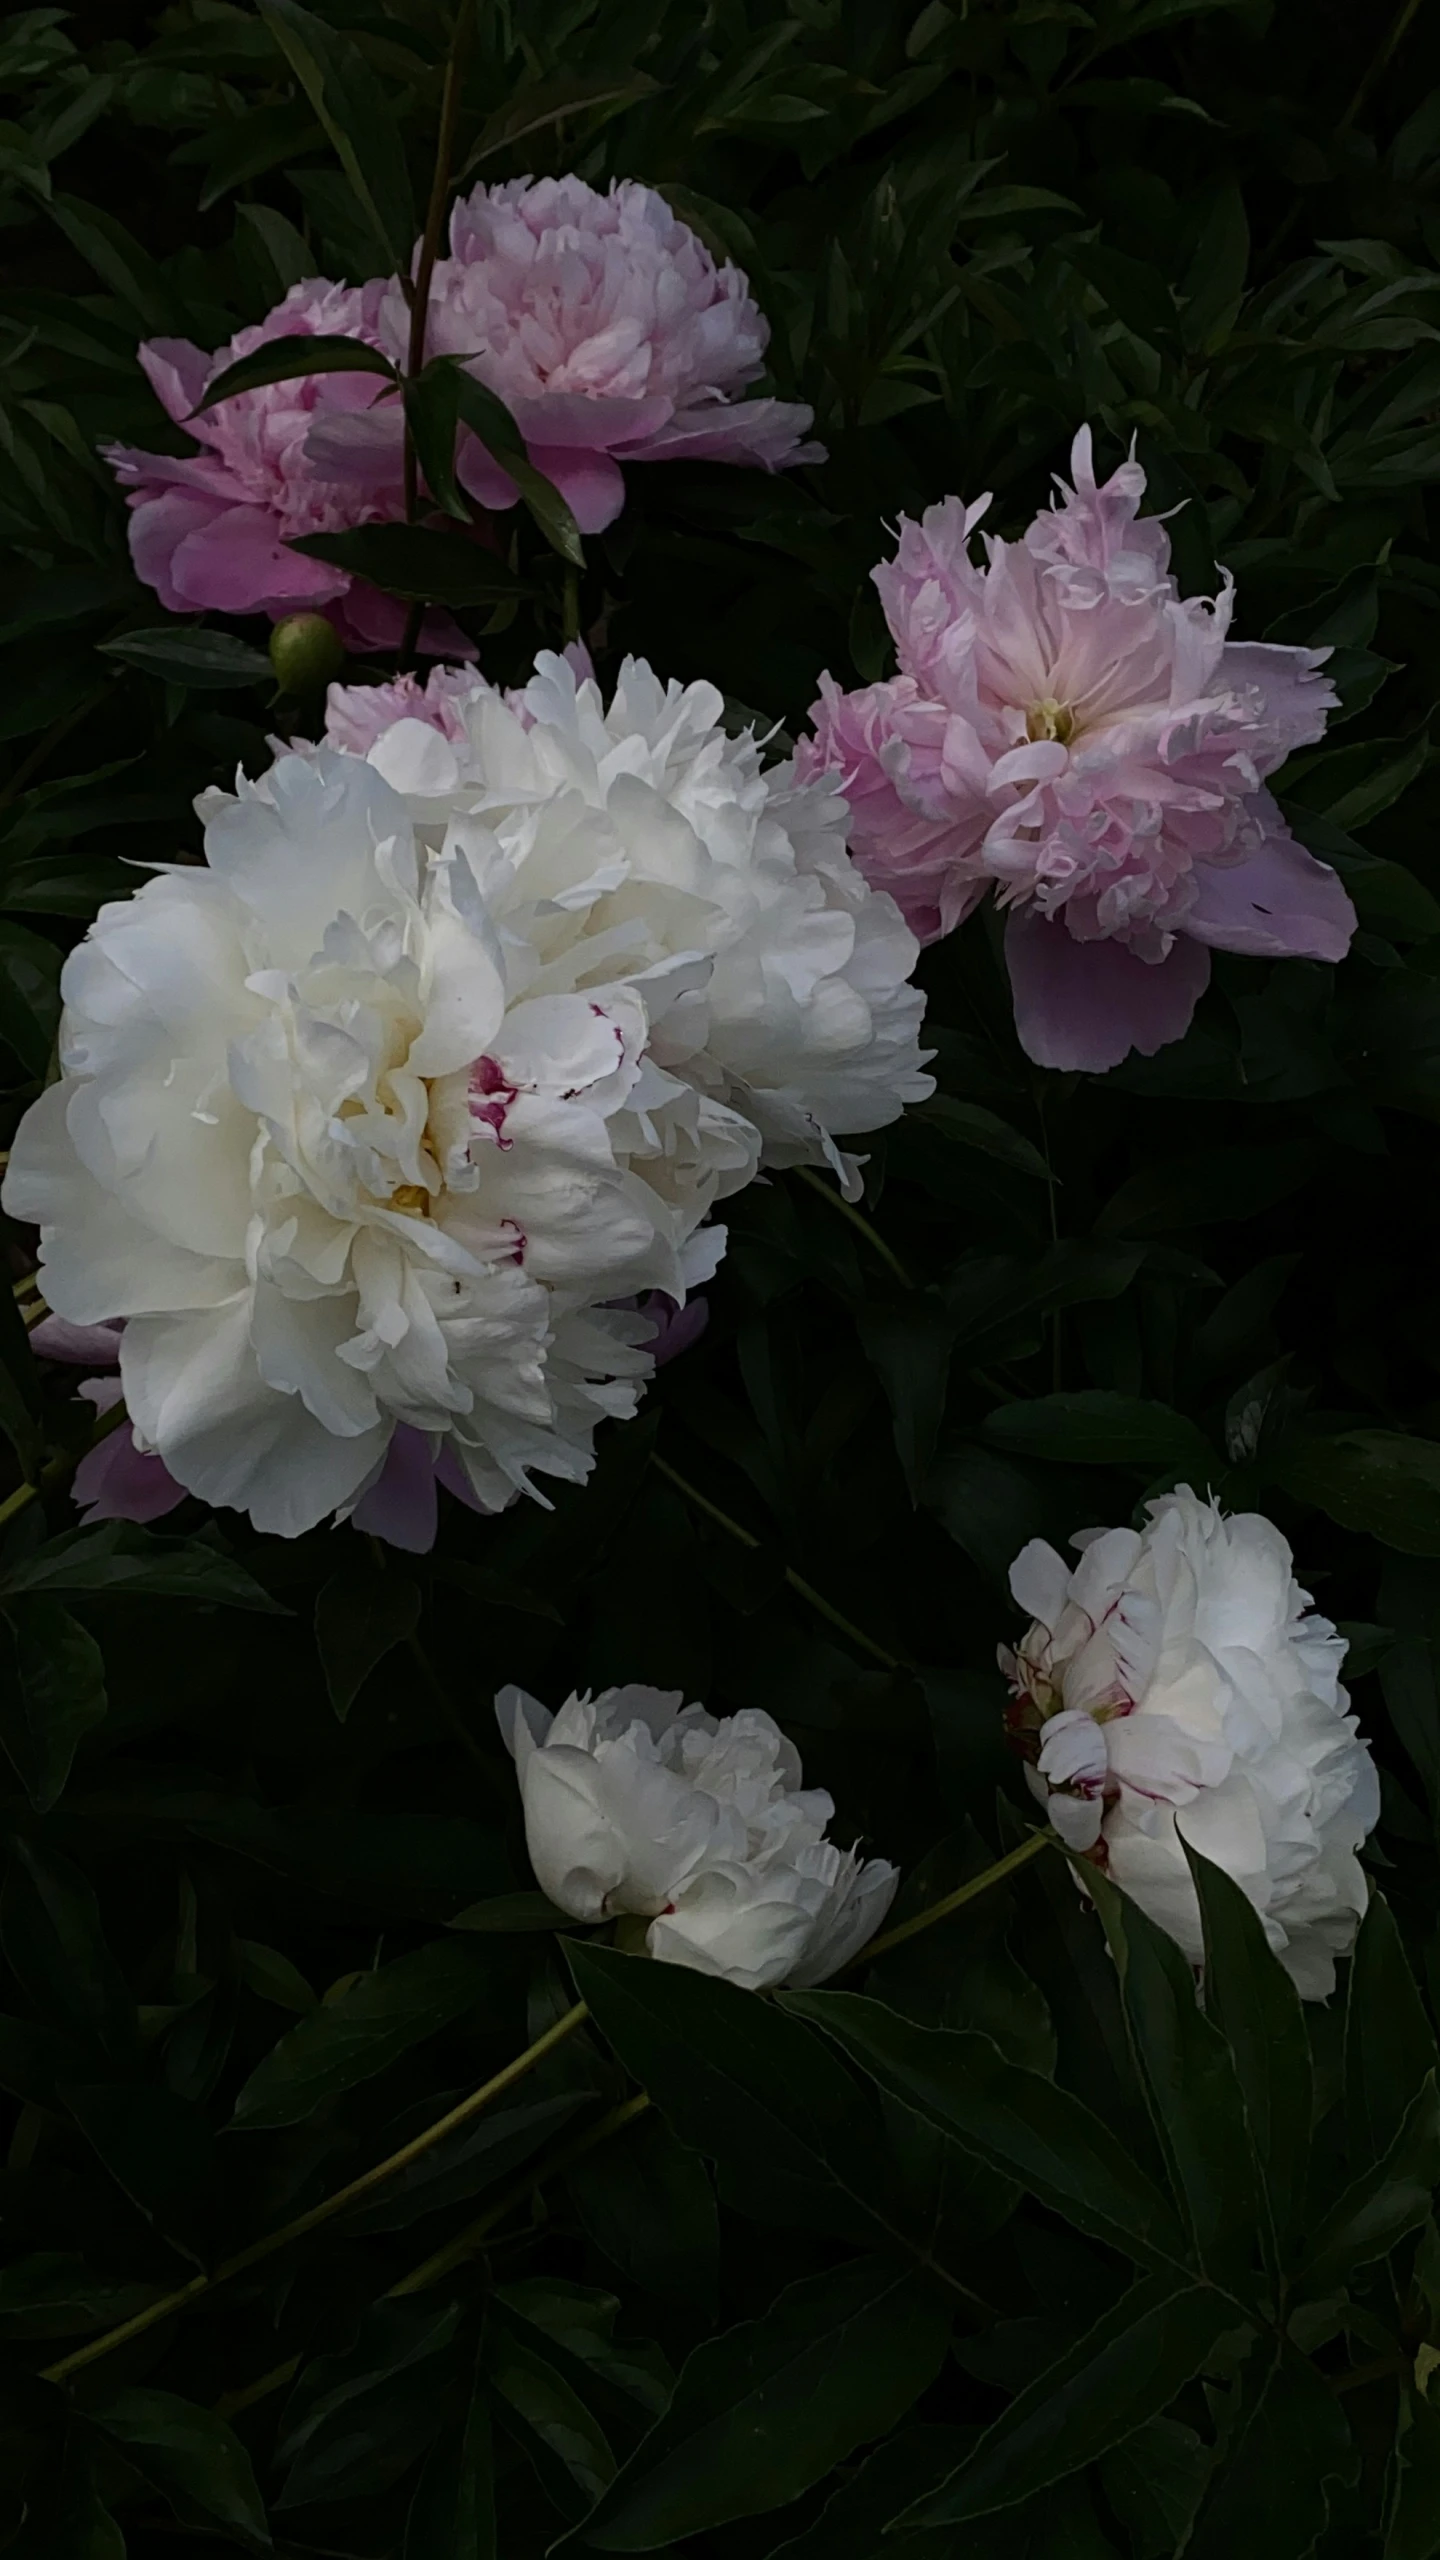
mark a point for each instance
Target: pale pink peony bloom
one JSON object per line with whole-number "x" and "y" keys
{"x": 321, "y": 453}
{"x": 1068, "y": 729}
{"x": 357, "y": 716}
{"x": 605, "y": 325}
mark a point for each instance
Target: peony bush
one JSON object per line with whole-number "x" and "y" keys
{"x": 627, "y": 1087}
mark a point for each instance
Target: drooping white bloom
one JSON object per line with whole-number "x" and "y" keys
{"x": 366, "y": 1126}
{"x": 1173, "y": 1683}
{"x": 635, "y": 1803}
{"x": 650, "y": 834}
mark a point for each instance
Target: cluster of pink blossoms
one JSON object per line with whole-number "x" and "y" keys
{"x": 600, "y": 319}
{"x": 1070, "y": 731}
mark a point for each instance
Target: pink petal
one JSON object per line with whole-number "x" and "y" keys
{"x": 177, "y": 372}
{"x": 117, "y": 1481}
{"x": 770, "y": 433}
{"x": 1280, "y": 901}
{"x": 90, "y": 1346}
{"x": 237, "y": 563}
{"x": 1088, "y": 1004}
{"x": 158, "y": 527}
{"x": 586, "y": 421}
{"x": 400, "y": 1506}
{"x": 592, "y": 486}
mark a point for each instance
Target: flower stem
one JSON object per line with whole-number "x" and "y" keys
{"x": 434, "y": 225}
{"x": 475, "y": 2234}
{"x": 304, "y": 2223}
{"x": 59, "y": 1468}
{"x": 941, "y": 1910}
{"x": 846, "y": 1209}
{"x": 806, "y": 1590}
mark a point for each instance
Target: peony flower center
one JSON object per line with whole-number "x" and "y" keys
{"x": 411, "y": 1199}
{"x": 1051, "y": 720}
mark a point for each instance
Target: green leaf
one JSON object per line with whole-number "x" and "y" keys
{"x": 1413, "y": 2522}
{"x": 361, "y": 1614}
{"x": 118, "y": 259}
{"x": 285, "y": 247}
{"x": 1258, "y": 2011}
{"x": 1190, "y": 2086}
{"x": 1389, "y": 2042}
{"x": 419, "y": 562}
{"x": 452, "y": 2514}
{"x": 1016, "y": 2120}
{"x": 562, "y": 2437}
{"x": 1123, "y": 2373}
{"x": 358, "y": 117}
{"x": 1220, "y": 1184}
{"x": 580, "y": 2322}
{"x": 159, "y": 2148}
{"x": 969, "y": 1124}
{"x": 989, "y": 1506}
{"x": 432, "y": 411}
{"x": 56, "y": 1949}
{"x": 290, "y": 360}
{"x": 796, "y": 2137}
{"x": 1284, "y": 2442}
{"x": 192, "y": 2457}
{"x": 203, "y": 660}
{"x": 1154, "y": 2482}
{"x": 1384, "y": 2202}
{"x": 1382, "y": 1482}
{"x": 272, "y": 1976}
{"x": 466, "y": 2162}
{"x": 765, "y": 2410}
{"x": 29, "y": 996}
{"x": 859, "y": 2511}
{"x": 487, "y": 417}
{"x": 908, "y": 1346}
{"x": 57, "y": 1698}
{"x": 511, "y": 1914}
{"x": 368, "y": 2027}
{"x": 356, "y": 2421}
{"x": 51, "y": 2295}
{"x": 648, "y": 2206}
{"x": 123, "y": 1561}
{"x": 1093, "y": 1427}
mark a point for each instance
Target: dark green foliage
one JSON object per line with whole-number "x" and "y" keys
{"x": 1009, "y": 2248}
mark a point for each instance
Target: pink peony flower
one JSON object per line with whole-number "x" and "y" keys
{"x": 357, "y": 716}
{"x": 609, "y": 331}
{"x": 1067, "y": 728}
{"x": 209, "y": 531}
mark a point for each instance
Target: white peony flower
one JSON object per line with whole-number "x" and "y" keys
{"x": 360, "y": 1145}
{"x": 1174, "y": 1678}
{"x": 647, "y": 834}
{"x": 637, "y": 1804}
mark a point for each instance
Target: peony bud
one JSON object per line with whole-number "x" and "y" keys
{"x": 693, "y": 1833}
{"x": 305, "y": 652}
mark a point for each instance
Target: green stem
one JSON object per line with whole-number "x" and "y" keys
{"x": 59, "y": 1468}
{"x": 475, "y": 2234}
{"x": 806, "y": 1590}
{"x": 304, "y": 2223}
{"x": 434, "y": 225}
{"x": 845, "y": 1209}
{"x": 941, "y": 1910}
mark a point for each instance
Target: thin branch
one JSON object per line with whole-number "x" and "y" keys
{"x": 304, "y": 2223}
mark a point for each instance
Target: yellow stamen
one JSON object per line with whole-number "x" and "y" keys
{"x": 1050, "y": 719}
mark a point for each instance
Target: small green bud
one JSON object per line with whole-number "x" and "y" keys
{"x": 305, "y": 652}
